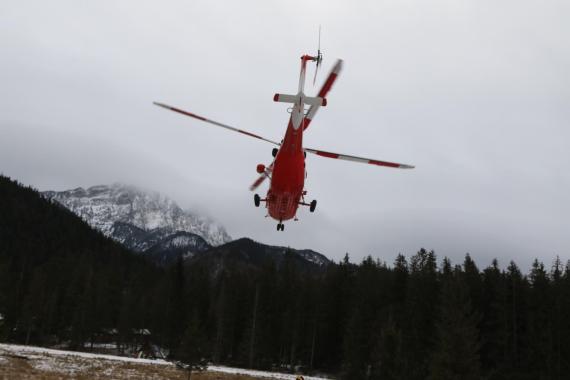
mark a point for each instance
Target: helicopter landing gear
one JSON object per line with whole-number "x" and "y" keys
{"x": 274, "y": 152}
{"x": 256, "y": 200}
{"x": 280, "y": 227}
{"x": 313, "y": 205}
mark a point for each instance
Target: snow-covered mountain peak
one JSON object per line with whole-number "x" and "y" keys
{"x": 104, "y": 207}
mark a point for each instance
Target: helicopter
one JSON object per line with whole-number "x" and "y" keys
{"x": 287, "y": 171}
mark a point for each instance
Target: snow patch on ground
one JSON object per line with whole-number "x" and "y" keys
{"x": 35, "y": 352}
{"x": 53, "y": 364}
{"x": 77, "y": 363}
{"x": 254, "y": 373}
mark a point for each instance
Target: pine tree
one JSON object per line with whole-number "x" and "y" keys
{"x": 177, "y": 310}
{"x": 387, "y": 362}
{"x": 516, "y": 286}
{"x": 354, "y": 363}
{"x": 493, "y": 324}
{"x": 422, "y": 302}
{"x": 473, "y": 281}
{"x": 563, "y": 366}
{"x": 541, "y": 334}
{"x": 193, "y": 345}
{"x": 456, "y": 355}
{"x": 557, "y": 317}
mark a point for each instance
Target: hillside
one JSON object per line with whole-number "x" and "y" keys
{"x": 246, "y": 253}
{"x": 59, "y": 278}
{"x": 64, "y": 283}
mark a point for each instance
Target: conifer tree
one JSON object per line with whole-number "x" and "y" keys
{"x": 176, "y": 312}
{"x": 539, "y": 326}
{"x": 456, "y": 355}
{"x": 354, "y": 363}
{"x": 422, "y": 303}
{"x": 493, "y": 323}
{"x": 193, "y": 345}
{"x": 387, "y": 358}
{"x": 515, "y": 315}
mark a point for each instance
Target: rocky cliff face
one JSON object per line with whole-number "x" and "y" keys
{"x": 141, "y": 220}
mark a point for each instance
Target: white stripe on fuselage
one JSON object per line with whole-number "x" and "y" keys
{"x": 298, "y": 112}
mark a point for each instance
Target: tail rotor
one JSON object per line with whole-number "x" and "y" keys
{"x": 265, "y": 172}
{"x": 319, "y": 57}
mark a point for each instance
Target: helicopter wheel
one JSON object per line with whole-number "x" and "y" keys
{"x": 313, "y": 205}
{"x": 280, "y": 227}
{"x": 274, "y": 152}
{"x": 256, "y": 200}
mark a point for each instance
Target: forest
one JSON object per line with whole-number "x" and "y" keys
{"x": 418, "y": 317}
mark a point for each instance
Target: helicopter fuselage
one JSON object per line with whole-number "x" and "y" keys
{"x": 288, "y": 175}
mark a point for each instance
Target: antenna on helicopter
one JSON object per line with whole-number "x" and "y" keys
{"x": 319, "y": 57}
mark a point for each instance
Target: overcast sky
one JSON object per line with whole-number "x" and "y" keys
{"x": 476, "y": 94}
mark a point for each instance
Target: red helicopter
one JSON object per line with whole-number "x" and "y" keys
{"x": 287, "y": 171}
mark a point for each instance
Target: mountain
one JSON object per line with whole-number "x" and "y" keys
{"x": 245, "y": 252}
{"x": 142, "y": 221}
{"x": 181, "y": 243}
{"x": 157, "y": 228}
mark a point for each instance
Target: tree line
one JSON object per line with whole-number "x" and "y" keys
{"x": 416, "y": 318}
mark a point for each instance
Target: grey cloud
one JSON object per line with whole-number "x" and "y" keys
{"x": 475, "y": 93}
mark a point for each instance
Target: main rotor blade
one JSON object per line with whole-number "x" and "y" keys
{"x": 262, "y": 177}
{"x": 324, "y": 91}
{"x": 186, "y": 113}
{"x": 363, "y": 160}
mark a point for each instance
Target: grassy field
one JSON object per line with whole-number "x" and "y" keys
{"x": 64, "y": 368}
{"x": 24, "y": 362}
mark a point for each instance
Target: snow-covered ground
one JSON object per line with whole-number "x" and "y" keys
{"x": 32, "y": 352}
{"x": 72, "y": 364}
{"x": 258, "y": 374}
